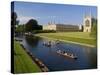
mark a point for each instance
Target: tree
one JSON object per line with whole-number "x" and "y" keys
{"x": 13, "y": 18}
{"x": 17, "y": 22}
{"x": 31, "y": 25}
{"x": 20, "y": 29}
{"x": 39, "y": 27}
{"x": 94, "y": 27}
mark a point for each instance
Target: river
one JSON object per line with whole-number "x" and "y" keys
{"x": 87, "y": 56}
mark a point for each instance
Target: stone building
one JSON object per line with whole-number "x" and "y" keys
{"x": 87, "y": 23}
{"x": 86, "y": 27}
{"x": 61, "y": 27}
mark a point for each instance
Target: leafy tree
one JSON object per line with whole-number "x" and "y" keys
{"x": 94, "y": 27}
{"x": 17, "y": 22}
{"x": 31, "y": 25}
{"x": 20, "y": 29}
{"x": 39, "y": 27}
{"x": 13, "y": 18}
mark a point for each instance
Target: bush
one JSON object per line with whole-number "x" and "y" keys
{"x": 44, "y": 31}
{"x": 94, "y": 28}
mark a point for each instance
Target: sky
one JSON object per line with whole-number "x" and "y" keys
{"x": 53, "y": 13}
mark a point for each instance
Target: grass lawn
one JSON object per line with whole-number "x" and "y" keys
{"x": 22, "y": 61}
{"x": 80, "y": 37}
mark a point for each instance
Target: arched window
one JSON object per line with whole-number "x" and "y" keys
{"x": 87, "y": 23}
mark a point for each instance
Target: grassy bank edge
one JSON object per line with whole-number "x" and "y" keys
{"x": 22, "y": 61}
{"x": 66, "y": 41}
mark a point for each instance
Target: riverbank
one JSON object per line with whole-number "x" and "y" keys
{"x": 22, "y": 61}
{"x": 36, "y": 60}
{"x": 54, "y": 37}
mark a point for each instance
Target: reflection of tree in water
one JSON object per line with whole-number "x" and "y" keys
{"x": 91, "y": 54}
{"x": 32, "y": 40}
{"x": 93, "y": 58}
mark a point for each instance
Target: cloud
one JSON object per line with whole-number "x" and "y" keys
{"x": 24, "y": 19}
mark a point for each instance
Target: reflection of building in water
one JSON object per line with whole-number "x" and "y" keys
{"x": 87, "y": 23}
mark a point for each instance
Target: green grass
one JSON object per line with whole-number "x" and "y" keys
{"x": 22, "y": 61}
{"x": 80, "y": 37}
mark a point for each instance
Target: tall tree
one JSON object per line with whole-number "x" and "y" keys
{"x": 94, "y": 27}
{"x": 31, "y": 25}
{"x": 20, "y": 29}
{"x": 13, "y": 18}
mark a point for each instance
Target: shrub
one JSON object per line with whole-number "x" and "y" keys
{"x": 44, "y": 31}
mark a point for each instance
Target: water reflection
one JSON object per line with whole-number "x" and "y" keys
{"x": 32, "y": 41}
{"x": 87, "y": 56}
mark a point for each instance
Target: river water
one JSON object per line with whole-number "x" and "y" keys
{"x": 87, "y": 56}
